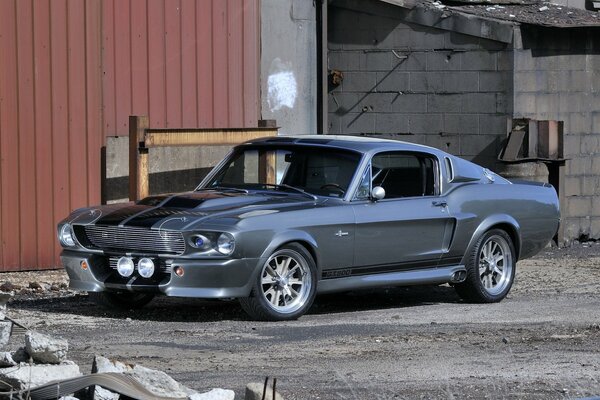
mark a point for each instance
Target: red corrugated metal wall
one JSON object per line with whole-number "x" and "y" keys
{"x": 72, "y": 71}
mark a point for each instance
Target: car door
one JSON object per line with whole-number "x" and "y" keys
{"x": 411, "y": 226}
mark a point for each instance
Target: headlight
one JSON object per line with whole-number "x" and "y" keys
{"x": 225, "y": 244}
{"x": 65, "y": 236}
{"x": 200, "y": 242}
{"x": 145, "y": 267}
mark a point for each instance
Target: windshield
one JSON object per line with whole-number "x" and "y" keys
{"x": 315, "y": 170}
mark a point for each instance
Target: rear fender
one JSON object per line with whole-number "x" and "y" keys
{"x": 490, "y": 222}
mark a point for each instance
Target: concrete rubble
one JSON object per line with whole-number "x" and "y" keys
{"x": 43, "y": 359}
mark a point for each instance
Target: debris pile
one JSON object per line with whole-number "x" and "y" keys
{"x": 41, "y": 366}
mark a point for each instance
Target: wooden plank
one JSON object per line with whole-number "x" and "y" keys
{"x": 9, "y": 141}
{"x": 123, "y": 72}
{"x": 156, "y": 63}
{"x": 543, "y": 139}
{"x": 95, "y": 132}
{"x": 139, "y": 58}
{"x": 26, "y": 148}
{"x": 204, "y": 137}
{"x": 60, "y": 112}
{"x": 108, "y": 67}
{"x": 45, "y": 238}
{"x": 221, "y": 65}
{"x": 533, "y": 139}
{"x": 235, "y": 61}
{"x": 204, "y": 51}
{"x": 143, "y": 181}
{"x": 251, "y": 49}
{"x": 172, "y": 61}
{"x": 189, "y": 90}
{"x": 266, "y": 167}
{"x": 137, "y": 165}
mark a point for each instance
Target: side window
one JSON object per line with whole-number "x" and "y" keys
{"x": 404, "y": 174}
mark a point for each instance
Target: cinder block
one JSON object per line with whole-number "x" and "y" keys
{"x": 590, "y": 185}
{"x": 377, "y": 103}
{"x": 480, "y": 145}
{"x": 505, "y": 61}
{"x": 479, "y": 61}
{"x": 461, "y": 124}
{"x": 378, "y": 60}
{"x": 578, "y": 166}
{"x": 571, "y": 147}
{"x": 528, "y": 81}
{"x": 595, "y": 228}
{"x": 449, "y": 143}
{"x": 409, "y": 103}
{"x": 493, "y": 124}
{"x": 525, "y": 104}
{"x": 416, "y": 61}
{"x": 426, "y": 123}
{"x": 426, "y": 38}
{"x": 495, "y": 81}
{"x": 596, "y": 208}
{"x": 482, "y": 103}
{"x": 570, "y": 61}
{"x": 572, "y": 227}
{"x": 578, "y": 123}
{"x": 393, "y": 81}
{"x": 572, "y": 186}
{"x": 460, "y": 82}
{"x": 574, "y": 102}
{"x": 342, "y": 103}
{"x": 346, "y": 61}
{"x": 334, "y": 122}
{"x": 579, "y": 206}
{"x": 590, "y": 144}
{"x": 358, "y": 123}
{"x": 492, "y": 45}
{"x": 444, "y": 61}
{"x": 426, "y": 82}
{"x": 303, "y": 10}
{"x": 503, "y": 103}
{"x": 523, "y": 61}
{"x": 592, "y": 62}
{"x": 445, "y": 103}
{"x": 359, "y": 82}
{"x": 391, "y": 123}
{"x": 595, "y": 167}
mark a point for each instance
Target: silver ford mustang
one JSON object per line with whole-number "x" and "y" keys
{"x": 282, "y": 219}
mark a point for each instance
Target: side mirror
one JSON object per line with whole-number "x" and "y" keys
{"x": 378, "y": 193}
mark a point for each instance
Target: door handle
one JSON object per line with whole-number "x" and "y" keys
{"x": 439, "y": 203}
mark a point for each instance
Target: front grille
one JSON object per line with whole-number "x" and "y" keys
{"x": 135, "y": 239}
{"x": 162, "y": 266}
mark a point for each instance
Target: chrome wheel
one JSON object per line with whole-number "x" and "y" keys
{"x": 495, "y": 264}
{"x": 286, "y": 281}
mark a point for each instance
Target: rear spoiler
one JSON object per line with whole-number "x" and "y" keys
{"x": 530, "y": 183}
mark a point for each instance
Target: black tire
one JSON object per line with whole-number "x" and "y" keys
{"x": 271, "y": 291}
{"x": 120, "y": 300}
{"x": 489, "y": 281}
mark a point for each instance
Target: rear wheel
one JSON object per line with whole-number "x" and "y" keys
{"x": 490, "y": 269}
{"x": 121, "y": 300}
{"x": 285, "y": 287}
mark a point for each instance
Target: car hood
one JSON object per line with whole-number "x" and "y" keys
{"x": 184, "y": 211}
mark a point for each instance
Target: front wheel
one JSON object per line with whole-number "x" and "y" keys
{"x": 120, "y": 300}
{"x": 490, "y": 269}
{"x": 285, "y": 287}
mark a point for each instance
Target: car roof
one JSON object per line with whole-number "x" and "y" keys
{"x": 358, "y": 143}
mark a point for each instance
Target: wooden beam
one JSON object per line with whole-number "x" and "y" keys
{"x": 138, "y": 158}
{"x": 204, "y": 137}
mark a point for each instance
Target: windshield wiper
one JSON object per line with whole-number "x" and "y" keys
{"x": 289, "y": 187}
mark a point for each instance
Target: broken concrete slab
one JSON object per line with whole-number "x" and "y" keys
{"x": 101, "y": 365}
{"x": 254, "y": 391}
{"x": 214, "y": 394}
{"x": 159, "y": 383}
{"x": 5, "y": 330}
{"x": 21, "y": 356}
{"x": 25, "y": 377}
{"x": 45, "y": 349}
{"x": 6, "y": 360}
{"x": 4, "y": 297}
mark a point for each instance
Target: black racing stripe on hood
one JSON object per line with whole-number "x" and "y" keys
{"x": 120, "y": 215}
{"x": 162, "y": 215}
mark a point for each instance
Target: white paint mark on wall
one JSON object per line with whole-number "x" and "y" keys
{"x": 282, "y": 86}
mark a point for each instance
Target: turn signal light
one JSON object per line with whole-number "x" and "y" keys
{"x": 84, "y": 265}
{"x": 178, "y": 271}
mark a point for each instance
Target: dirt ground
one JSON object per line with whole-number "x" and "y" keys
{"x": 542, "y": 342}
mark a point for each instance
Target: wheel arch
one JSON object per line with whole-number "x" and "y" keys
{"x": 498, "y": 221}
{"x": 301, "y": 237}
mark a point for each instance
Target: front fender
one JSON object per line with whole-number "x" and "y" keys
{"x": 281, "y": 238}
{"x": 495, "y": 220}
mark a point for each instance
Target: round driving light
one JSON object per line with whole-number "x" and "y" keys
{"x": 84, "y": 265}
{"x": 225, "y": 244}
{"x": 145, "y": 267}
{"x": 66, "y": 236}
{"x": 125, "y": 266}
{"x": 178, "y": 271}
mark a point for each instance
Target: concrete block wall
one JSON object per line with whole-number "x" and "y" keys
{"x": 557, "y": 77}
{"x": 419, "y": 84}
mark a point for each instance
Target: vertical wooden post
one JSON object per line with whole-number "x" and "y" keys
{"x": 138, "y": 158}
{"x": 266, "y": 167}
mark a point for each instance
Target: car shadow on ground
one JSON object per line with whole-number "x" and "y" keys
{"x": 198, "y": 310}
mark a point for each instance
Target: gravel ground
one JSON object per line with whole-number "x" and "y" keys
{"x": 542, "y": 342}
